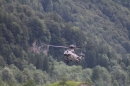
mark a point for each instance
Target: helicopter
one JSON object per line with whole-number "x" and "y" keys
{"x": 70, "y": 55}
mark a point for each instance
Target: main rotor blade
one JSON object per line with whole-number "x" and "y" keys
{"x": 79, "y": 47}
{"x": 58, "y": 46}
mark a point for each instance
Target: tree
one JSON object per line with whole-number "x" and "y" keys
{"x": 89, "y": 82}
{"x": 119, "y": 75}
{"x": 7, "y": 75}
{"x": 101, "y": 76}
{"x": 27, "y": 74}
{"x": 30, "y": 83}
{"x": 74, "y": 35}
{"x": 1, "y": 82}
{"x": 91, "y": 58}
{"x": 6, "y": 33}
{"x": 39, "y": 77}
{"x": 86, "y": 73}
{"x": 103, "y": 60}
{"x": 46, "y": 64}
{"x": 63, "y": 81}
{"x": 39, "y": 61}
{"x": 2, "y": 61}
{"x": 115, "y": 83}
{"x": 38, "y": 31}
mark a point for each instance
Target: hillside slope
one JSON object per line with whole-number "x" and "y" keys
{"x": 102, "y": 27}
{"x": 105, "y": 23}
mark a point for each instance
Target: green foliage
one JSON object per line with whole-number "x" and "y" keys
{"x": 38, "y": 30}
{"x": 119, "y": 75}
{"x": 63, "y": 81}
{"x": 1, "y": 82}
{"x": 70, "y": 83}
{"x": 89, "y": 82}
{"x": 115, "y": 83}
{"x": 30, "y": 83}
{"x": 2, "y": 61}
{"x": 101, "y": 76}
{"x": 103, "y": 60}
{"x": 74, "y": 34}
{"x": 7, "y": 75}
{"x": 101, "y": 27}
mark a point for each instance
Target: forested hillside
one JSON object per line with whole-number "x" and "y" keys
{"x": 101, "y": 27}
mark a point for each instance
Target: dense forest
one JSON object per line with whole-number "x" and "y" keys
{"x": 101, "y": 27}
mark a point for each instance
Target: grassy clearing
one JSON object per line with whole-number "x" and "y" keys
{"x": 70, "y": 83}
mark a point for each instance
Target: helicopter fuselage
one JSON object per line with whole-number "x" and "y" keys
{"x": 71, "y": 56}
